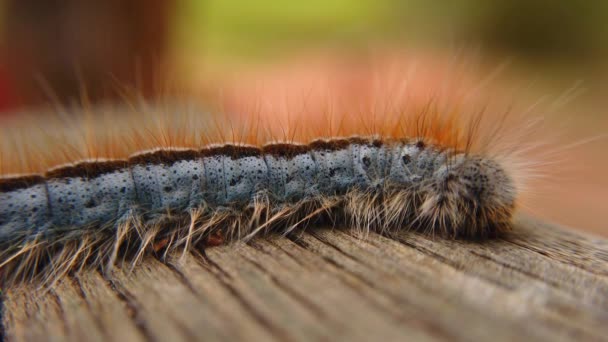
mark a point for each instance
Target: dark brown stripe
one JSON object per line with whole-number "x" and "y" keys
{"x": 16, "y": 183}
{"x": 285, "y": 150}
{"x": 329, "y": 145}
{"x": 91, "y": 169}
{"x": 87, "y": 169}
{"x": 232, "y": 151}
{"x": 166, "y": 157}
{"x": 365, "y": 141}
{"x": 359, "y": 141}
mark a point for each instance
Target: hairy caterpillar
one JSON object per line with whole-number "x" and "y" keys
{"x": 182, "y": 182}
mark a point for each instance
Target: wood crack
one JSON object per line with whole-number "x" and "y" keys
{"x": 133, "y": 308}
{"x": 545, "y": 254}
{"x": 452, "y": 264}
{"x": 287, "y": 290}
{"x": 437, "y": 331}
{"x": 224, "y": 278}
{"x": 78, "y": 286}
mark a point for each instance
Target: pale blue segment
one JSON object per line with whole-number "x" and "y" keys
{"x": 425, "y": 163}
{"x": 180, "y": 185}
{"x": 244, "y": 177}
{"x": 78, "y": 202}
{"x": 214, "y": 192}
{"x": 370, "y": 165}
{"x": 404, "y": 165}
{"x": 148, "y": 187}
{"x": 291, "y": 179}
{"x": 161, "y": 187}
{"x": 234, "y": 180}
{"x": 334, "y": 171}
{"x": 301, "y": 177}
{"x": 23, "y": 211}
{"x": 278, "y": 174}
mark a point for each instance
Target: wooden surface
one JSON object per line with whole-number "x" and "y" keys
{"x": 538, "y": 283}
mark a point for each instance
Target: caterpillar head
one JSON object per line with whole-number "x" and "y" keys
{"x": 471, "y": 197}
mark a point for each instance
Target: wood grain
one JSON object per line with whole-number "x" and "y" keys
{"x": 538, "y": 283}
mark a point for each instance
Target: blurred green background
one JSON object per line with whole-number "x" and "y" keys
{"x": 556, "y": 30}
{"x": 68, "y": 42}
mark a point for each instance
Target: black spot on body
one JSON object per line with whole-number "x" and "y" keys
{"x": 366, "y": 161}
{"x": 235, "y": 181}
{"x": 406, "y": 159}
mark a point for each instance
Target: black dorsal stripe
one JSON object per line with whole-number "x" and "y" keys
{"x": 329, "y": 145}
{"x": 165, "y": 157}
{"x": 20, "y": 182}
{"x": 87, "y": 169}
{"x": 92, "y": 169}
{"x": 359, "y": 141}
{"x": 285, "y": 150}
{"x": 232, "y": 151}
{"x": 366, "y": 141}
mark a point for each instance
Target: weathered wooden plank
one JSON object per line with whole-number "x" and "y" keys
{"x": 216, "y": 287}
{"x": 538, "y": 283}
{"x": 114, "y": 317}
{"x": 169, "y": 309}
{"x": 319, "y": 295}
{"x": 487, "y": 287}
{"x": 31, "y": 316}
{"x": 437, "y": 291}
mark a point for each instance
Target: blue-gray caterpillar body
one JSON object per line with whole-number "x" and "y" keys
{"x": 184, "y": 195}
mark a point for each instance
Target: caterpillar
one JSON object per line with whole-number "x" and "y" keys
{"x": 422, "y": 170}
